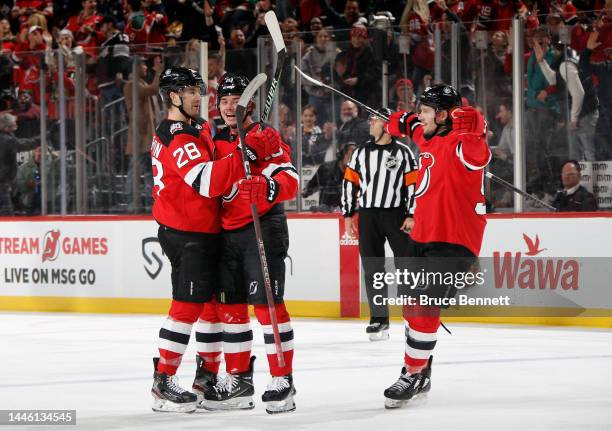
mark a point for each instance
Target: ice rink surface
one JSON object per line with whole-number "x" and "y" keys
{"x": 485, "y": 377}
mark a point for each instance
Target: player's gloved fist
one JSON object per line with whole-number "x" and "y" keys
{"x": 258, "y": 189}
{"x": 261, "y": 143}
{"x": 392, "y": 126}
{"x": 468, "y": 120}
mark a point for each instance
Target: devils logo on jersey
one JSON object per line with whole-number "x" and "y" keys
{"x": 426, "y": 161}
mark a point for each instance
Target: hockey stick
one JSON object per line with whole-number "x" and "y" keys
{"x": 384, "y": 117}
{"x": 519, "y": 191}
{"x": 364, "y": 106}
{"x": 246, "y": 97}
{"x": 281, "y": 55}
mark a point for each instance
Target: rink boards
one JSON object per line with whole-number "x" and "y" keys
{"x": 114, "y": 264}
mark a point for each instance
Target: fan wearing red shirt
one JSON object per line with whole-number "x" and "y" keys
{"x": 84, "y": 27}
{"x": 188, "y": 182}
{"x": 241, "y": 281}
{"x": 449, "y": 218}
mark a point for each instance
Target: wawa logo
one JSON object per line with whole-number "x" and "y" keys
{"x": 527, "y": 271}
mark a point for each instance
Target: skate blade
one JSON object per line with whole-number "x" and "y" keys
{"x": 379, "y": 336}
{"x": 200, "y": 400}
{"x": 166, "y": 406}
{"x": 239, "y": 403}
{"x": 396, "y": 404}
{"x": 285, "y": 406}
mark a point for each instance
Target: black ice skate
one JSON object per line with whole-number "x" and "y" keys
{"x": 408, "y": 386}
{"x": 378, "y": 330}
{"x": 204, "y": 381}
{"x": 279, "y": 395}
{"x": 168, "y": 396}
{"x": 232, "y": 392}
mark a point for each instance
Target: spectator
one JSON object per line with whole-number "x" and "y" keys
{"x": 9, "y": 146}
{"x": 27, "y": 54}
{"x": 84, "y": 26}
{"x": 583, "y": 104}
{"x": 191, "y": 58}
{"x": 287, "y": 129}
{"x": 260, "y": 28}
{"x": 28, "y": 183}
{"x": 353, "y": 129}
{"x": 327, "y": 180}
{"x": 466, "y": 84}
{"x": 28, "y": 115}
{"x": 603, "y": 72}
{"x": 502, "y": 161}
{"x": 238, "y": 59}
{"x": 137, "y": 27}
{"x": 216, "y": 69}
{"x": 315, "y": 142}
{"x": 498, "y": 84}
{"x": 147, "y": 117}
{"x": 361, "y": 70}
{"x": 415, "y": 23}
{"x": 113, "y": 61}
{"x": 238, "y": 14}
{"x": 542, "y": 108}
{"x": 314, "y": 26}
{"x": 7, "y": 38}
{"x": 157, "y": 22}
{"x": 406, "y": 99}
{"x": 345, "y": 22}
{"x": 68, "y": 49}
{"x": 573, "y": 197}
{"x": 317, "y": 62}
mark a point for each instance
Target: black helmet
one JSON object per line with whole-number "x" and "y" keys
{"x": 440, "y": 97}
{"x": 231, "y": 84}
{"x": 386, "y": 112}
{"x": 177, "y": 78}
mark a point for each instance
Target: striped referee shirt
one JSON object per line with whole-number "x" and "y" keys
{"x": 379, "y": 176}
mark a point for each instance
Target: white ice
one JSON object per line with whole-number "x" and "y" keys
{"x": 485, "y": 377}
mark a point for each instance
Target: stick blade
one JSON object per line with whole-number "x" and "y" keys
{"x": 251, "y": 89}
{"x": 275, "y": 30}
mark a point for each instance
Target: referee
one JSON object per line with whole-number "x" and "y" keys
{"x": 379, "y": 180}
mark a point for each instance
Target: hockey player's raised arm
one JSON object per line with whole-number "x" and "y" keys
{"x": 405, "y": 123}
{"x": 471, "y": 127}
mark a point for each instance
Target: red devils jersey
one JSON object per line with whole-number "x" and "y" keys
{"x": 186, "y": 180}
{"x": 450, "y": 202}
{"x": 282, "y": 179}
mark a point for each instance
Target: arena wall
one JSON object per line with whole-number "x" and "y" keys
{"x": 110, "y": 264}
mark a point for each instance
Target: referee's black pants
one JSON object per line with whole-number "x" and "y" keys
{"x": 375, "y": 226}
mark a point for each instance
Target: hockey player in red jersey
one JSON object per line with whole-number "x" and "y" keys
{"x": 449, "y": 218}
{"x": 188, "y": 182}
{"x": 241, "y": 282}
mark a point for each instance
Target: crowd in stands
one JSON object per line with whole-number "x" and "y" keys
{"x": 568, "y": 67}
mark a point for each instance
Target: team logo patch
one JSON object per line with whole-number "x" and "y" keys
{"x": 391, "y": 163}
{"x": 426, "y": 161}
{"x": 253, "y": 287}
{"x": 174, "y": 127}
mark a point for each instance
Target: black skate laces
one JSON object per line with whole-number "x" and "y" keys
{"x": 278, "y": 384}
